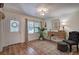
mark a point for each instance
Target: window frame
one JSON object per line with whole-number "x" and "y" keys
{"x": 34, "y": 26}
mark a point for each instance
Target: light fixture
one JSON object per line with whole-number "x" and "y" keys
{"x": 42, "y": 11}
{"x": 2, "y": 16}
{"x": 42, "y": 14}
{"x": 63, "y": 24}
{"x": 1, "y": 5}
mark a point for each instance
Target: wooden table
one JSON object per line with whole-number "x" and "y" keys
{"x": 60, "y": 34}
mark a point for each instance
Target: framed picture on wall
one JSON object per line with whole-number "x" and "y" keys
{"x": 14, "y": 26}
{"x": 56, "y": 24}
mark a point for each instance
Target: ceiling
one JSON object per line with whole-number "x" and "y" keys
{"x": 54, "y": 9}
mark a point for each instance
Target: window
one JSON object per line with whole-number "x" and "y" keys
{"x": 30, "y": 27}
{"x": 33, "y": 26}
{"x": 14, "y": 26}
{"x": 36, "y": 25}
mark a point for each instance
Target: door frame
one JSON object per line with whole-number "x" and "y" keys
{"x": 26, "y": 31}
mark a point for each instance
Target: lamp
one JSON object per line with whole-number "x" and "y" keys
{"x": 63, "y": 24}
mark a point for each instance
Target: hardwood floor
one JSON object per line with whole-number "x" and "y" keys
{"x": 23, "y": 49}
{"x": 20, "y": 49}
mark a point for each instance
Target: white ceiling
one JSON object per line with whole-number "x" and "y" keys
{"x": 55, "y": 10}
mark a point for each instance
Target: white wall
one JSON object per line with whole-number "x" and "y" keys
{"x": 1, "y": 31}
{"x": 51, "y": 24}
{"x": 7, "y": 37}
{"x": 72, "y": 23}
{"x": 0, "y": 38}
{"x": 33, "y": 36}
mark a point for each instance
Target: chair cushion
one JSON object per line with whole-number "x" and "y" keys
{"x": 70, "y": 42}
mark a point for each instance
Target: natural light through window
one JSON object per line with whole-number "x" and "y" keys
{"x": 33, "y": 26}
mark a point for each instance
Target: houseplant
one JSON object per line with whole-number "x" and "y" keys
{"x": 41, "y": 32}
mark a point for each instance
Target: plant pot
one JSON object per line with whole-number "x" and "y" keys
{"x": 41, "y": 38}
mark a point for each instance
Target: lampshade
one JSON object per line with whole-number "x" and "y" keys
{"x": 63, "y": 24}
{"x": 2, "y": 16}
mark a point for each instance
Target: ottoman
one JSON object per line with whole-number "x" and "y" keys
{"x": 62, "y": 46}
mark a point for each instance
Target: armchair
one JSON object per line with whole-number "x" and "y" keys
{"x": 73, "y": 39}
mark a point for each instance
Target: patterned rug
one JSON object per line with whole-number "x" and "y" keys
{"x": 50, "y": 48}
{"x": 47, "y": 47}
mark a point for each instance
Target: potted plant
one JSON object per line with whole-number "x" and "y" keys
{"x": 41, "y": 32}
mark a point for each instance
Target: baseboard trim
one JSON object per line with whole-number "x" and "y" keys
{"x": 33, "y": 40}
{"x": 1, "y": 49}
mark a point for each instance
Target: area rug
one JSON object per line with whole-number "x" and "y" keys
{"x": 47, "y": 47}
